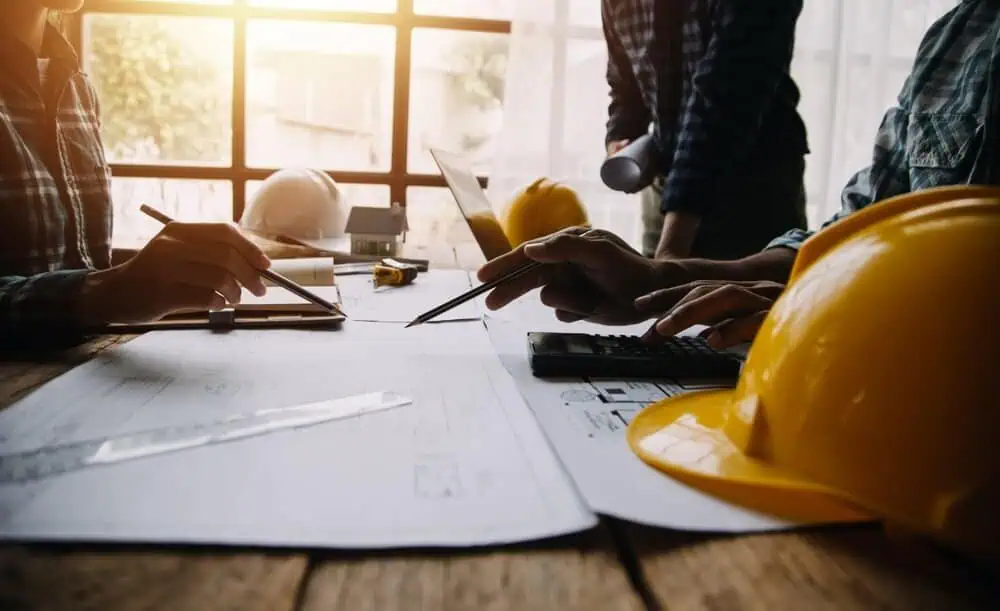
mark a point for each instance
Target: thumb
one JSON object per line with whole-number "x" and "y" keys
{"x": 568, "y": 248}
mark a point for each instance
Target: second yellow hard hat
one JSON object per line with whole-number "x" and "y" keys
{"x": 542, "y": 208}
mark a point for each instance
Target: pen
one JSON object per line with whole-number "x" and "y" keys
{"x": 271, "y": 275}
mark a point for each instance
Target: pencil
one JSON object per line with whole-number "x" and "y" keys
{"x": 271, "y": 275}
{"x": 472, "y": 294}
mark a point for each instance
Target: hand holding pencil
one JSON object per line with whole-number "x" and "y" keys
{"x": 584, "y": 274}
{"x": 185, "y": 267}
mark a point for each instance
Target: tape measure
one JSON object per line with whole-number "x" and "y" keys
{"x": 390, "y": 272}
{"x": 65, "y": 458}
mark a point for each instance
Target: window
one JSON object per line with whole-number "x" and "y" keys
{"x": 203, "y": 99}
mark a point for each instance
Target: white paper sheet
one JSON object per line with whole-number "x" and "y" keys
{"x": 585, "y": 420}
{"x": 401, "y": 304}
{"x": 465, "y": 464}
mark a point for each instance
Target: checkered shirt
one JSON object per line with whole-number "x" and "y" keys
{"x": 736, "y": 107}
{"x": 55, "y": 199}
{"x": 936, "y": 135}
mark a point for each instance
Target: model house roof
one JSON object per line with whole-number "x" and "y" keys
{"x": 371, "y": 220}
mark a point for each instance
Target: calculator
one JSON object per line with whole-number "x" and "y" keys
{"x": 626, "y": 356}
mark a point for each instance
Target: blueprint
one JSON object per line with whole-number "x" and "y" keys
{"x": 401, "y": 304}
{"x": 463, "y": 462}
{"x": 586, "y": 420}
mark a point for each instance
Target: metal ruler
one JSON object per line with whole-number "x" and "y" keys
{"x": 57, "y": 459}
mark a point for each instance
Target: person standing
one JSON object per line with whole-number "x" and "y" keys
{"x": 712, "y": 78}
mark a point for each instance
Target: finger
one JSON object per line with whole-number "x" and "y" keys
{"x": 513, "y": 289}
{"x": 771, "y": 290}
{"x": 506, "y": 263}
{"x": 593, "y": 252}
{"x": 577, "y": 297}
{"x": 220, "y": 255}
{"x": 727, "y": 301}
{"x": 205, "y": 276}
{"x": 736, "y": 331}
{"x": 564, "y": 316}
{"x": 197, "y": 234}
{"x": 665, "y": 299}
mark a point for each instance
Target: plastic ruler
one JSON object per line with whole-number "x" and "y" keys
{"x": 58, "y": 459}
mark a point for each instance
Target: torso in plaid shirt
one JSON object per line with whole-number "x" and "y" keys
{"x": 55, "y": 203}
{"x": 946, "y": 127}
{"x": 736, "y": 105}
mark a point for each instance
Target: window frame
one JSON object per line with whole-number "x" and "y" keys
{"x": 404, "y": 20}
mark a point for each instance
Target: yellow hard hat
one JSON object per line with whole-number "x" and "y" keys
{"x": 542, "y": 208}
{"x": 871, "y": 390}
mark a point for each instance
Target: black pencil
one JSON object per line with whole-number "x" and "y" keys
{"x": 271, "y": 275}
{"x": 472, "y": 294}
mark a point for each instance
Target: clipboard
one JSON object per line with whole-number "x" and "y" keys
{"x": 284, "y": 313}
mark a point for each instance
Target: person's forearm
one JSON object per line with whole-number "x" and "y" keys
{"x": 40, "y": 309}
{"x": 774, "y": 264}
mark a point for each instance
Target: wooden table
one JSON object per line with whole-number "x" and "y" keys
{"x": 615, "y": 567}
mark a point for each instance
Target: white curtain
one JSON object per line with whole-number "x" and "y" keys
{"x": 851, "y": 59}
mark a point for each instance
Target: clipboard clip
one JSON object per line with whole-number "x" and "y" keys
{"x": 222, "y": 321}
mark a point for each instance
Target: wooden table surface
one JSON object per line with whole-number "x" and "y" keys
{"x": 617, "y": 566}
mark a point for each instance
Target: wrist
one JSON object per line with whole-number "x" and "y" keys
{"x": 95, "y": 306}
{"x": 773, "y": 264}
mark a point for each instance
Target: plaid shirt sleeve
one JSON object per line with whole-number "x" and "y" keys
{"x": 40, "y": 308}
{"x": 628, "y": 117}
{"x": 732, "y": 87}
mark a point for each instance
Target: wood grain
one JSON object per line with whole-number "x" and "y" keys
{"x": 112, "y": 580}
{"x": 838, "y": 568}
{"x": 21, "y": 372}
{"x": 582, "y": 573}
{"x": 67, "y": 577}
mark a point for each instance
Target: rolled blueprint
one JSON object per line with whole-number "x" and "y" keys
{"x": 632, "y": 168}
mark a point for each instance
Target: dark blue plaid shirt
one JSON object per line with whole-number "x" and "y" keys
{"x": 737, "y": 103}
{"x": 55, "y": 195}
{"x": 937, "y": 134}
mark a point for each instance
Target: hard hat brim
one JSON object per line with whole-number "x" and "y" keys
{"x": 683, "y": 437}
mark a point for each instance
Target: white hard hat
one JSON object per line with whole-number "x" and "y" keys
{"x": 297, "y": 203}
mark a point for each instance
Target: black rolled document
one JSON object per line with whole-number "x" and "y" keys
{"x": 633, "y": 168}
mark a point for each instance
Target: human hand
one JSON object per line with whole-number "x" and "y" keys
{"x": 590, "y": 275}
{"x": 187, "y": 266}
{"x": 678, "y": 235}
{"x": 616, "y": 145}
{"x": 734, "y": 311}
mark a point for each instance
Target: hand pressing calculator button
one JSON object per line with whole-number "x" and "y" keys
{"x": 626, "y": 356}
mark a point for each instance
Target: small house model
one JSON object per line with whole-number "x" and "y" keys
{"x": 377, "y": 231}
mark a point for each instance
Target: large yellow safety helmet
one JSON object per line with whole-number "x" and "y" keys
{"x": 871, "y": 390}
